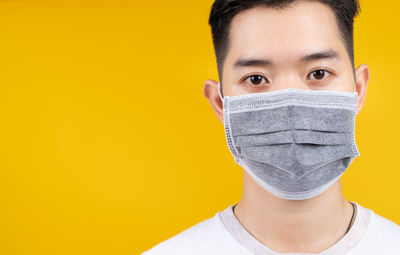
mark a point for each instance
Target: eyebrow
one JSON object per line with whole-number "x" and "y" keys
{"x": 325, "y": 54}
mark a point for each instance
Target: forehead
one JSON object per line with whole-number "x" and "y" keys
{"x": 286, "y": 33}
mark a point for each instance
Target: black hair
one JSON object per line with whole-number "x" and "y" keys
{"x": 223, "y": 11}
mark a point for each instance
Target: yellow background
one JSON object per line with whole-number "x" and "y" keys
{"x": 108, "y": 145}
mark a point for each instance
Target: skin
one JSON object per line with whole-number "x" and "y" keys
{"x": 283, "y": 36}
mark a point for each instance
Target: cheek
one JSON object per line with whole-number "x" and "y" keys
{"x": 232, "y": 83}
{"x": 231, "y": 86}
{"x": 238, "y": 89}
{"x": 344, "y": 82}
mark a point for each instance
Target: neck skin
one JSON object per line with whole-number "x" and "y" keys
{"x": 310, "y": 225}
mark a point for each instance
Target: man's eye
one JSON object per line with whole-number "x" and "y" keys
{"x": 256, "y": 79}
{"x": 319, "y": 74}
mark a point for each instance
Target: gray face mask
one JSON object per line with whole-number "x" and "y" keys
{"x": 295, "y": 143}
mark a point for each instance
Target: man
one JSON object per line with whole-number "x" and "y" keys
{"x": 288, "y": 95}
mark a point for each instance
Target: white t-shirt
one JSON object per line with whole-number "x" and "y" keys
{"x": 224, "y": 234}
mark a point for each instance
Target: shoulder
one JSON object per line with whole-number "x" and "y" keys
{"x": 195, "y": 240}
{"x": 387, "y": 228}
{"x": 178, "y": 240}
{"x": 382, "y": 237}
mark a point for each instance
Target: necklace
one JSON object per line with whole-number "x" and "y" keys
{"x": 352, "y": 217}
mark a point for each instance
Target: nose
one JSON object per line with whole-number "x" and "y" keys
{"x": 286, "y": 81}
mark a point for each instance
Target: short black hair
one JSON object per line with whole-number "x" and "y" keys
{"x": 223, "y": 11}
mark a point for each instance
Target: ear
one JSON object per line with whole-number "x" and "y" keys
{"x": 362, "y": 78}
{"x": 210, "y": 91}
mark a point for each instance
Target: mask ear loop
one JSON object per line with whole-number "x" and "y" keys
{"x": 355, "y": 84}
{"x": 220, "y": 91}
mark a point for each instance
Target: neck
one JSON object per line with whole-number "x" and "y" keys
{"x": 310, "y": 225}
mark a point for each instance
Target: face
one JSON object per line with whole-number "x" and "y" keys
{"x": 296, "y": 47}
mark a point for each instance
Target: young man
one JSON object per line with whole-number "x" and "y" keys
{"x": 288, "y": 96}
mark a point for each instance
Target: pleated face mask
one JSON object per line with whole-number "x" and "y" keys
{"x": 295, "y": 143}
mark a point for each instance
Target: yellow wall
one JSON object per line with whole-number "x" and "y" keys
{"x": 107, "y": 144}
